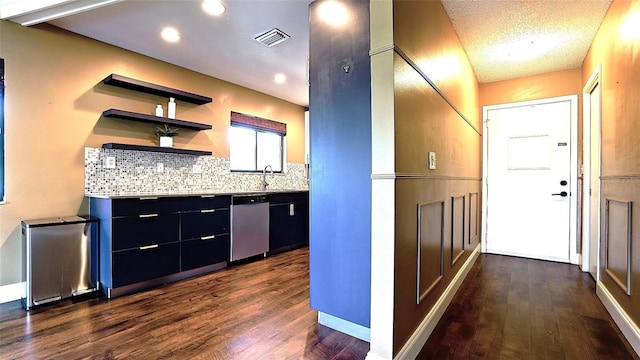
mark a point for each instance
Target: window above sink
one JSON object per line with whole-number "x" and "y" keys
{"x": 255, "y": 143}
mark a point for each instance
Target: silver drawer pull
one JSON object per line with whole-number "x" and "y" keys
{"x": 208, "y": 211}
{"x": 147, "y": 215}
{"x": 149, "y": 198}
{"x": 208, "y": 237}
{"x": 207, "y": 196}
{"x": 149, "y": 247}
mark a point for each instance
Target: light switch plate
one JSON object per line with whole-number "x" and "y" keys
{"x": 110, "y": 162}
{"x": 432, "y": 160}
{"x": 160, "y": 167}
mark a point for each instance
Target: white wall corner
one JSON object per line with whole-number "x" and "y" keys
{"x": 344, "y": 326}
{"x": 371, "y": 356}
{"x": 12, "y": 292}
{"x": 382, "y": 268}
{"x": 628, "y": 328}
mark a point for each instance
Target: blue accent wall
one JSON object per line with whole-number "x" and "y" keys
{"x": 340, "y": 151}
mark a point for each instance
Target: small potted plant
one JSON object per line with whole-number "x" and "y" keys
{"x": 166, "y": 135}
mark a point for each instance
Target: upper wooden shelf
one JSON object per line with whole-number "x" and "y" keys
{"x": 149, "y": 88}
{"x": 128, "y": 115}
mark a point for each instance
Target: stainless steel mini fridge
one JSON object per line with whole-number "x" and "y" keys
{"x": 59, "y": 258}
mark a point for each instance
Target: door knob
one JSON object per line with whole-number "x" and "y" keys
{"x": 563, "y": 183}
{"x": 562, "y": 193}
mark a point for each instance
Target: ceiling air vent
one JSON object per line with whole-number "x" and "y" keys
{"x": 272, "y": 37}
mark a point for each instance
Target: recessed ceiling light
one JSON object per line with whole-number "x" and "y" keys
{"x": 280, "y": 78}
{"x": 213, "y": 7}
{"x": 333, "y": 13}
{"x": 170, "y": 34}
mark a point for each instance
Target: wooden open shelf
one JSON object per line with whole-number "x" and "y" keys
{"x": 128, "y": 115}
{"x": 149, "y": 88}
{"x": 155, "y": 149}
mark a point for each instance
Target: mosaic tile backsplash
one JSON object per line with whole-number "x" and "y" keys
{"x": 135, "y": 173}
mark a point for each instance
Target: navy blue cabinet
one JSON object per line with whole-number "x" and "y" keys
{"x": 150, "y": 241}
{"x": 147, "y": 241}
{"x": 139, "y": 241}
{"x": 197, "y": 253}
{"x": 288, "y": 221}
{"x": 143, "y": 230}
{"x": 204, "y": 231}
{"x": 145, "y": 263}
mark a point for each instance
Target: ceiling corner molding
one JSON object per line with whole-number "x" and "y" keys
{"x": 27, "y": 13}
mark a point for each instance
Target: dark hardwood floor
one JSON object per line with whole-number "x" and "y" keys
{"x": 514, "y": 308}
{"x": 507, "y": 308}
{"x": 257, "y": 310}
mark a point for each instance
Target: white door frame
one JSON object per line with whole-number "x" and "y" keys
{"x": 594, "y": 80}
{"x": 573, "y": 207}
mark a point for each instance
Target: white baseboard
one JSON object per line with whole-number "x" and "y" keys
{"x": 12, "y": 292}
{"x": 412, "y": 347}
{"x": 629, "y": 329}
{"x": 372, "y": 356}
{"x": 344, "y": 326}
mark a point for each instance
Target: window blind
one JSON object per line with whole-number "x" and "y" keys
{"x": 258, "y": 123}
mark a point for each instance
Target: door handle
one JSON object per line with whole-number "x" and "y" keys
{"x": 562, "y": 193}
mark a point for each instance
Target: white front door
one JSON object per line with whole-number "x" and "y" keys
{"x": 528, "y": 179}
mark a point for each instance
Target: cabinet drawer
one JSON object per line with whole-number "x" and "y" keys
{"x": 135, "y": 231}
{"x": 204, "y": 202}
{"x": 204, "y": 223}
{"x": 136, "y": 265}
{"x": 287, "y": 198}
{"x": 144, "y": 205}
{"x": 197, "y": 253}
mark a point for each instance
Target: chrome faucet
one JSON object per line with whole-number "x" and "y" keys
{"x": 264, "y": 177}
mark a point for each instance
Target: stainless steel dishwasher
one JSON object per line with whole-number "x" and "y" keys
{"x": 249, "y": 226}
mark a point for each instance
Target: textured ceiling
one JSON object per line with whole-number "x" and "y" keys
{"x": 503, "y": 39}
{"x": 222, "y": 47}
{"x": 510, "y": 39}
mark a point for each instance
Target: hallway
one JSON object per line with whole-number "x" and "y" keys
{"x": 516, "y": 308}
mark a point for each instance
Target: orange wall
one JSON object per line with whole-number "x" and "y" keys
{"x": 557, "y": 83}
{"x": 620, "y": 60}
{"x": 619, "y": 57}
{"x": 54, "y": 98}
{"x": 424, "y": 32}
{"x": 425, "y": 122}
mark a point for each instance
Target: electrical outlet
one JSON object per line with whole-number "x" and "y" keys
{"x": 160, "y": 167}
{"x": 432, "y": 160}
{"x": 110, "y": 162}
{"x": 196, "y": 169}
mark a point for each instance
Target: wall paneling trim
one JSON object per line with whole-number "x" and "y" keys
{"x": 458, "y": 210}
{"x": 617, "y": 242}
{"x": 474, "y": 221}
{"x": 430, "y": 246}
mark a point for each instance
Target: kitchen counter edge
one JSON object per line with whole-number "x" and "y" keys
{"x": 221, "y": 193}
